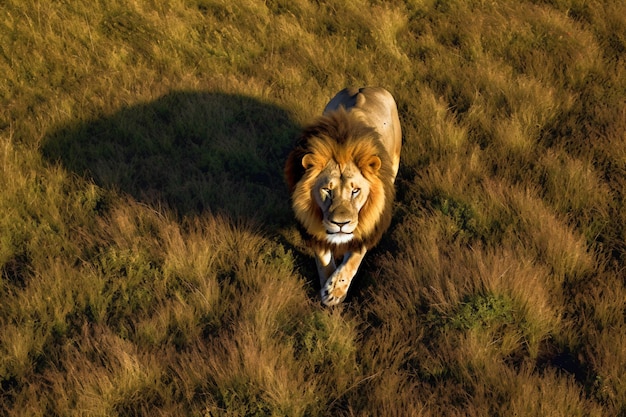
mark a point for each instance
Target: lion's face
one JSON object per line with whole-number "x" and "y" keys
{"x": 339, "y": 202}
{"x": 341, "y": 193}
{"x": 341, "y": 182}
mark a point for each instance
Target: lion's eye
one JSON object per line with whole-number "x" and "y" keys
{"x": 327, "y": 192}
{"x": 355, "y": 192}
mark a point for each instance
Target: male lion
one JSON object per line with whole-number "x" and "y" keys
{"x": 341, "y": 177}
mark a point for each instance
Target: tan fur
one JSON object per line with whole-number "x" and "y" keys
{"x": 341, "y": 175}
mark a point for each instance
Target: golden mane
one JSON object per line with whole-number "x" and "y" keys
{"x": 343, "y": 137}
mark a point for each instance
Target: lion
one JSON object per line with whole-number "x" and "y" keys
{"x": 341, "y": 176}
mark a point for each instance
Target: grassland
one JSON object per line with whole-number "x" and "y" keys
{"x": 150, "y": 264}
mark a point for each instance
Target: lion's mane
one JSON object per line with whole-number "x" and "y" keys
{"x": 344, "y": 137}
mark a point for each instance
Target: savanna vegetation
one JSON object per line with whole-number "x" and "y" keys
{"x": 150, "y": 264}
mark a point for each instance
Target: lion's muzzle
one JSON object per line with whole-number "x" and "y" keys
{"x": 340, "y": 218}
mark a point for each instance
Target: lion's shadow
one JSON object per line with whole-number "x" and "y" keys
{"x": 188, "y": 151}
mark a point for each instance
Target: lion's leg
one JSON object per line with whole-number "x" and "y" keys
{"x": 325, "y": 264}
{"x": 336, "y": 287}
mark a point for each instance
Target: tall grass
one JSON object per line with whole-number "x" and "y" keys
{"x": 150, "y": 263}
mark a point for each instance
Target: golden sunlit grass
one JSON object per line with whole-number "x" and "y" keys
{"x": 149, "y": 260}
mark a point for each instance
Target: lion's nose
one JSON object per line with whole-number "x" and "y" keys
{"x": 340, "y": 224}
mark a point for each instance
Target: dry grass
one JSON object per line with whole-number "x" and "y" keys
{"x": 149, "y": 260}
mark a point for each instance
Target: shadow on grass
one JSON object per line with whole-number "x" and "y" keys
{"x": 190, "y": 152}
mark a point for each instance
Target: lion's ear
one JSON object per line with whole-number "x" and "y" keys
{"x": 374, "y": 163}
{"x": 308, "y": 161}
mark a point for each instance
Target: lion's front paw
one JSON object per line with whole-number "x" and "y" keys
{"x": 335, "y": 290}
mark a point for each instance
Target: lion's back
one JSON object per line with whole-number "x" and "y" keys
{"x": 377, "y": 107}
